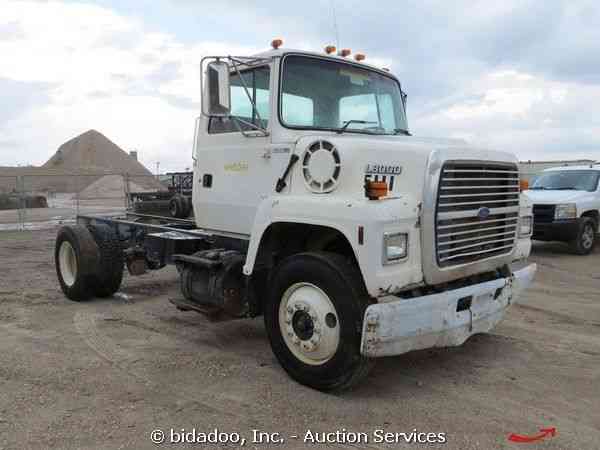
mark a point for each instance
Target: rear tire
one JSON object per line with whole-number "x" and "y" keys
{"x": 76, "y": 257}
{"x": 314, "y": 318}
{"x": 188, "y": 206}
{"x": 178, "y": 207}
{"x": 586, "y": 237}
{"x": 109, "y": 276}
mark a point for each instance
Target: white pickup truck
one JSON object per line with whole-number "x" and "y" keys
{"x": 315, "y": 207}
{"x": 566, "y": 205}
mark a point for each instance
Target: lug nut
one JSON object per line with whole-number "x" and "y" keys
{"x": 308, "y": 346}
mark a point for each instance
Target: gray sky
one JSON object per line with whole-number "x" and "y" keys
{"x": 522, "y": 76}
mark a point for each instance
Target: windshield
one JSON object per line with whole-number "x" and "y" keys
{"x": 325, "y": 94}
{"x": 579, "y": 180}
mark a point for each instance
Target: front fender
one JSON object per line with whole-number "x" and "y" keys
{"x": 346, "y": 215}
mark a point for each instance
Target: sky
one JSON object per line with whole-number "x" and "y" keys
{"x": 515, "y": 75}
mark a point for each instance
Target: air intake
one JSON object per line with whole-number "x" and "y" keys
{"x": 321, "y": 167}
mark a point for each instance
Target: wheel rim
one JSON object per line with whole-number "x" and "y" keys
{"x": 68, "y": 263}
{"x": 588, "y": 237}
{"x": 309, "y": 323}
{"x": 173, "y": 209}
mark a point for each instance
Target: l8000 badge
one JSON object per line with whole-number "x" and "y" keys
{"x": 382, "y": 172}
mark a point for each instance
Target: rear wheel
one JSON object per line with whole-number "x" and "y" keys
{"x": 188, "y": 205}
{"x": 76, "y": 259}
{"x": 586, "y": 238}
{"x": 178, "y": 207}
{"x": 109, "y": 275}
{"x": 314, "y": 320}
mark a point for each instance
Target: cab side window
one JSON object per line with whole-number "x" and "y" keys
{"x": 257, "y": 82}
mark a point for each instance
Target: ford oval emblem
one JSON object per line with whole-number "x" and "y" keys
{"x": 483, "y": 213}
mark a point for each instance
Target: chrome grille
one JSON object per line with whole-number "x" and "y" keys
{"x": 477, "y": 212}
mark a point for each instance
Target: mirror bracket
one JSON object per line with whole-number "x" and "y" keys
{"x": 224, "y": 94}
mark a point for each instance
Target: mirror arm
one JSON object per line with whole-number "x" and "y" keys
{"x": 254, "y": 108}
{"x": 196, "y": 126}
{"x": 237, "y": 122}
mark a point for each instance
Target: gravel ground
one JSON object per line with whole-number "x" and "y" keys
{"x": 104, "y": 374}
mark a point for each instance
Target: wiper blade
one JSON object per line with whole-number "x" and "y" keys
{"x": 565, "y": 189}
{"x": 348, "y": 122}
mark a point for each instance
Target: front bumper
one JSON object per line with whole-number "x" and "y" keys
{"x": 559, "y": 230}
{"x": 401, "y": 325}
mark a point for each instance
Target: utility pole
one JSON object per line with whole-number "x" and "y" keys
{"x": 157, "y": 170}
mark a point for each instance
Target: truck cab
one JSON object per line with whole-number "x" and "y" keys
{"x": 315, "y": 207}
{"x": 566, "y": 206}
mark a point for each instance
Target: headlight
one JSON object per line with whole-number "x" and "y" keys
{"x": 395, "y": 247}
{"x": 525, "y": 228}
{"x": 566, "y": 211}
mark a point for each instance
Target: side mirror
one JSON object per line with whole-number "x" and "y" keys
{"x": 218, "y": 90}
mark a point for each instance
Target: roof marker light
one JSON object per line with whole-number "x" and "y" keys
{"x": 360, "y": 57}
{"x": 330, "y": 49}
{"x": 345, "y": 52}
{"x": 276, "y": 43}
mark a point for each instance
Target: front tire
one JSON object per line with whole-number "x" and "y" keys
{"x": 586, "y": 238}
{"x": 314, "y": 320}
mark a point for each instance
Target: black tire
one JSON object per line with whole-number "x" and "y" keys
{"x": 84, "y": 254}
{"x": 341, "y": 281}
{"x": 178, "y": 207}
{"x": 107, "y": 280}
{"x": 188, "y": 206}
{"x": 586, "y": 237}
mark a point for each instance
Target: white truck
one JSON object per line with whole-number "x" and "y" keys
{"x": 316, "y": 208}
{"x": 566, "y": 206}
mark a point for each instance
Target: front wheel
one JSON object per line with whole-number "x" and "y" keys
{"x": 586, "y": 238}
{"x": 314, "y": 320}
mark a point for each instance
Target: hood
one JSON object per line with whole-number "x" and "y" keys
{"x": 400, "y": 161}
{"x": 551, "y": 197}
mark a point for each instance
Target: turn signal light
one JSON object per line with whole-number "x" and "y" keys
{"x": 345, "y": 52}
{"x": 359, "y": 57}
{"x": 523, "y": 185}
{"x": 276, "y": 43}
{"x": 330, "y": 49}
{"x": 375, "y": 190}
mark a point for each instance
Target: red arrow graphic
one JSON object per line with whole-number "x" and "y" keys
{"x": 538, "y": 437}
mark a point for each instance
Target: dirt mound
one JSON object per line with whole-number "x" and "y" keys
{"x": 111, "y": 186}
{"x": 78, "y": 164}
{"x": 92, "y": 151}
{"x": 16, "y": 202}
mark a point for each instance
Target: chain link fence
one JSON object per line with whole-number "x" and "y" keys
{"x": 46, "y": 200}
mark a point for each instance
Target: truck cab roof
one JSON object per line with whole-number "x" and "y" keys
{"x": 280, "y": 52}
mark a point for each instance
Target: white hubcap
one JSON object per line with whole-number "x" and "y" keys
{"x": 588, "y": 236}
{"x": 68, "y": 263}
{"x": 309, "y": 323}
